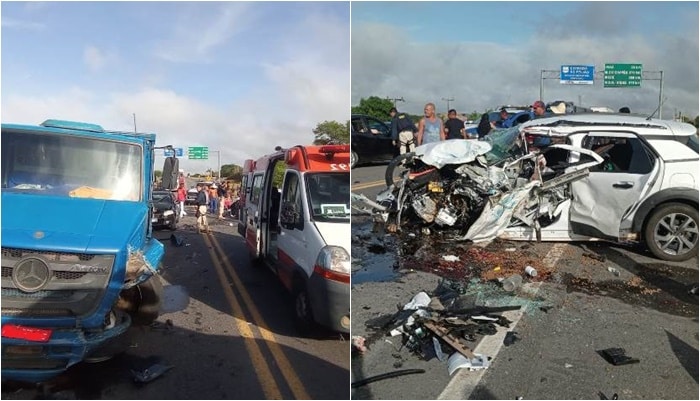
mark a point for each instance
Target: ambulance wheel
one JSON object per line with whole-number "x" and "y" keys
{"x": 303, "y": 316}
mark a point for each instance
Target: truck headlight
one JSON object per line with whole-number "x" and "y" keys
{"x": 333, "y": 263}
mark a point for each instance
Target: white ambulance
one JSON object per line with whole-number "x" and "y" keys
{"x": 297, "y": 222}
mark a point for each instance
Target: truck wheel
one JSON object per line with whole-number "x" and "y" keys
{"x": 148, "y": 302}
{"x": 303, "y": 316}
{"x": 353, "y": 159}
{"x": 671, "y": 233}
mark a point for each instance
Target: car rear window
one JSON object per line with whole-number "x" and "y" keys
{"x": 692, "y": 143}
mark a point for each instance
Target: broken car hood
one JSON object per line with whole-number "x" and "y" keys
{"x": 452, "y": 151}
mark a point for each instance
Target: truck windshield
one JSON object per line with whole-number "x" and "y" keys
{"x": 71, "y": 166}
{"x": 329, "y": 196}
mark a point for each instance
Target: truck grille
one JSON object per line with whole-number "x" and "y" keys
{"x": 36, "y": 283}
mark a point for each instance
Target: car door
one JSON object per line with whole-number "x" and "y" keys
{"x": 253, "y": 215}
{"x": 291, "y": 243}
{"x": 611, "y": 190}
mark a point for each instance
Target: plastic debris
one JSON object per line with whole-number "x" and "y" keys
{"x": 511, "y": 338}
{"x": 616, "y": 356}
{"x": 176, "y": 240}
{"x": 459, "y": 361}
{"x": 511, "y": 283}
{"x": 441, "y": 356}
{"x": 568, "y": 365}
{"x": 420, "y": 300}
{"x": 383, "y": 376}
{"x": 614, "y": 271}
{"x": 530, "y": 271}
{"x": 450, "y": 258}
{"x": 150, "y": 373}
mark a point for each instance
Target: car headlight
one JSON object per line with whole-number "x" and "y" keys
{"x": 168, "y": 213}
{"x": 333, "y": 263}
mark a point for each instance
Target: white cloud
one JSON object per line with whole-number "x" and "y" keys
{"x": 195, "y": 36}
{"x": 93, "y": 58}
{"x": 11, "y": 23}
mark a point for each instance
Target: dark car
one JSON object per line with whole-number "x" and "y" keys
{"x": 370, "y": 141}
{"x": 165, "y": 213}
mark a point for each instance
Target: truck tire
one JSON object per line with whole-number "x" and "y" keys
{"x": 149, "y": 299}
{"x": 671, "y": 232}
{"x": 303, "y": 315}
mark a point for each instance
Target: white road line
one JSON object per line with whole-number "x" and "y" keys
{"x": 464, "y": 381}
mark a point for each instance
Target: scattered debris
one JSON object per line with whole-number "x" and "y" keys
{"x": 568, "y": 365}
{"x": 530, "y": 271}
{"x": 450, "y": 258}
{"x": 512, "y": 283}
{"x": 693, "y": 290}
{"x": 458, "y": 361}
{"x": 511, "y": 338}
{"x": 383, "y": 376}
{"x": 151, "y": 373}
{"x": 595, "y": 256}
{"x": 177, "y": 240}
{"x": 358, "y": 344}
{"x": 616, "y": 356}
{"x": 614, "y": 271}
{"x": 603, "y": 397}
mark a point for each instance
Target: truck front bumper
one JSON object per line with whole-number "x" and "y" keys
{"x": 36, "y": 362}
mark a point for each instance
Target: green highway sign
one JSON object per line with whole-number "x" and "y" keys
{"x": 622, "y": 76}
{"x": 198, "y": 152}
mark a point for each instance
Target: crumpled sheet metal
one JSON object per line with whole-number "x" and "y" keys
{"x": 497, "y": 213}
{"x": 453, "y": 151}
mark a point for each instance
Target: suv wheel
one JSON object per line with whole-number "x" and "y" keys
{"x": 671, "y": 233}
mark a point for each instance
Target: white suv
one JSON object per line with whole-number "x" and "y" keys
{"x": 646, "y": 188}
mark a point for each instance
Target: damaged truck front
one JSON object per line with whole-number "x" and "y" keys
{"x": 79, "y": 263}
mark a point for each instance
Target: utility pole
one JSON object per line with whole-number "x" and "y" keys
{"x": 134, "y": 123}
{"x": 449, "y": 99}
{"x": 218, "y": 157}
{"x": 396, "y": 99}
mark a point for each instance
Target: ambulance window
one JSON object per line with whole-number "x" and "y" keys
{"x": 292, "y": 210}
{"x": 257, "y": 188}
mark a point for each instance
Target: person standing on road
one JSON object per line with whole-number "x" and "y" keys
{"x": 484, "y": 126}
{"x": 402, "y": 131}
{"x": 181, "y": 197}
{"x": 454, "y": 127}
{"x": 202, "y": 208}
{"x": 213, "y": 196}
{"x": 430, "y": 127}
{"x": 221, "y": 192}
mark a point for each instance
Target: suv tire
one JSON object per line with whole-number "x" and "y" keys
{"x": 675, "y": 225}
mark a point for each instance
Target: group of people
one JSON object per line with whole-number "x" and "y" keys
{"x": 211, "y": 199}
{"x": 431, "y": 128}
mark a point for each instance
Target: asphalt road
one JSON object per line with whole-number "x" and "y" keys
{"x": 230, "y": 337}
{"x": 574, "y": 308}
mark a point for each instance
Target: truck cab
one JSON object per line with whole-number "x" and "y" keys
{"x": 75, "y": 278}
{"x": 297, "y": 223}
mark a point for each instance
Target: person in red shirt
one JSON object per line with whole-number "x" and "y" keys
{"x": 181, "y": 196}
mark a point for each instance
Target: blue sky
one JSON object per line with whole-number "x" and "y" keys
{"x": 239, "y": 77}
{"x": 484, "y": 54}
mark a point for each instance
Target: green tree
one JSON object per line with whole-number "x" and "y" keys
{"x": 331, "y": 132}
{"x": 231, "y": 171}
{"x": 374, "y": 106}
{"x": 158, "y": 174}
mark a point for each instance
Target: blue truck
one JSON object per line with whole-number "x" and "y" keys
{"x": 79, "y": 262}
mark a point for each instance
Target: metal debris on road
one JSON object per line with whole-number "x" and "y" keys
{"x": 150, "y": 373}
{"x": 459, "y": 361}
{"x": 616, "y": 356}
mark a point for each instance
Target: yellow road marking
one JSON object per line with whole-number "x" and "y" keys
{"x": 287, "y": 370}
{"x": 368, "y": 185}
{"x": 262, "y": 370}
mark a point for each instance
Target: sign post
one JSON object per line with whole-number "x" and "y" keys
{"x": 168, "y": 153}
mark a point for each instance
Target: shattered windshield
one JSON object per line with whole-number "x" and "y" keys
{"x": 329, "y": 196}
{"x": 505, "y": 144}
{"x": 71, "y": 166}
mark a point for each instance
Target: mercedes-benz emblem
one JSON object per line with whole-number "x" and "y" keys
{"x": 31, "y": 274}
